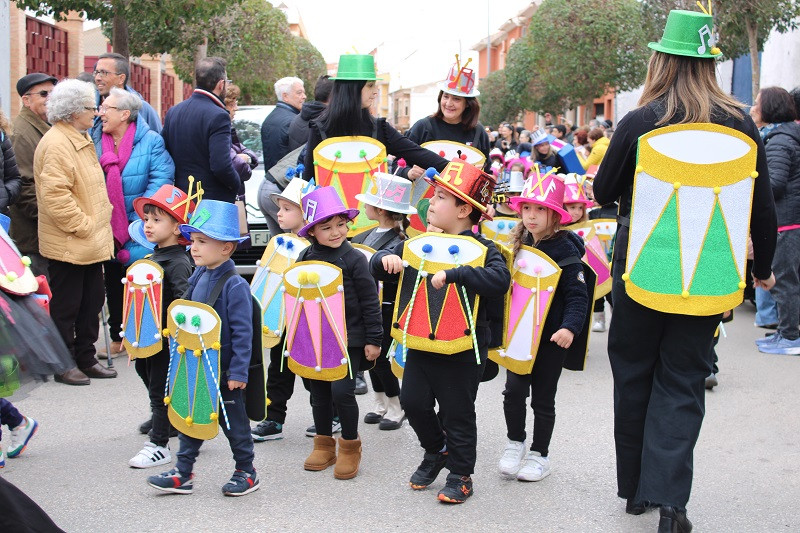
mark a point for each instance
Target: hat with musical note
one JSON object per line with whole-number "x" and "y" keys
{"x": 321, "y": 204}
{"x": 173, "y": 201}
{"x": 293, "y": 193}
{"x": 389, "y": 192}
{"x": 216, "y": 219}
{"x": 466, "y": 182}
{"x": 574, "y": 192}
{"x": 690, "y": 34}
{"x": 542, "y": 189}
{"x": 460, "y": 80}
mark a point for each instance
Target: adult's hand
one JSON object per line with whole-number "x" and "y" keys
{"x": 765, "y": 284}
{"x": 415, "y": 172}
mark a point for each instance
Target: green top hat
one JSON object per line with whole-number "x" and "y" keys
{"x": 356, "y": 67}
{"x": 688, "y": 33}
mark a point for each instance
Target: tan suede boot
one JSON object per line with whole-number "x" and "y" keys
{"x": 323, "y": 455}
{"x": 348, "y": 460}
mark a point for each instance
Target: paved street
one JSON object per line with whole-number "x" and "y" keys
{"x": 747, "y": 476}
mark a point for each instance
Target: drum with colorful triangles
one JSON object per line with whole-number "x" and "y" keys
{"x": 595, "y": 256}
{"x": 141, "y": 309}
{"x": 606, "y": 229}
{"x": 499, "y": 229}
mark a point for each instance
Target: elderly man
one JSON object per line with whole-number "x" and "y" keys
{"x": 113, "y": 70}
{"x": 275, "y": 141}
{"x": 29, "y": 128}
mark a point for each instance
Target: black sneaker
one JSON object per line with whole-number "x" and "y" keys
{"x": 241, "y": 483}
{"x": 146, "y": 426}
{"x": 361, "y": 384}
{"x": 311, "y": 431}
{"x": 172, "y": 481}
{"x": 456, "y": 490}
{"x": 432, "y": 464}
{"x": 267, "y": 430}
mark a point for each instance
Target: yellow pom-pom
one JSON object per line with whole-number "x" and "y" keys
{"x": 754, "y": 174}
{"x": 213, "y": 416}
{"x": 216, "y": 346}
{"x": 677, "y": 185}
{"x": 715, "y": 51}
{"x": 26, "y": 260}
{"x": 685, "y": 294}
{"x": 742, "y": 285}
{"x": 165, "y": 332}
{"x": 717, "y": 190}
{"x": 167, "y": 400}
{"x": 11, "y": 276}
{"x": 626, "y": 276}
{"x": 189, "y": 420}
{"x": 269, "y": 402}
{"x": 181, "y": 349}
{"x": 302, "y": 277}
{"x": 197, "y": 353}
{"x": 313, "y": 278}
{"x": 639, "y": 168}
{"x": 265, "y": 330}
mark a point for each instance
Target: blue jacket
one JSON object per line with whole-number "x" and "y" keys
{"x": 275, "y": 133}
{"x": 235, "y": 309}
{"x": 149, "y": 167}
{"x": 197, "y": 133}
{"x": 147, "y": 111}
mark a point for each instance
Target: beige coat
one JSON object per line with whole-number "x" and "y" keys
{"x": 74, "y": 210}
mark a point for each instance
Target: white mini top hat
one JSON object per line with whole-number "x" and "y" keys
{"x": 294, "y": 191}
{"x": 516, "y": 181}
{"x": 389, "y": 192}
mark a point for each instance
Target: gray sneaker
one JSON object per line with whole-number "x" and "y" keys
{"x": 311, "y": 431}
{"x": 782, "y": 346}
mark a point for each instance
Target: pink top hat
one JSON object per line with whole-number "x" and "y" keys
{"x": 321, "y": 204}
{"x": 542, "y": 189}
{"x": 574, "y": 192}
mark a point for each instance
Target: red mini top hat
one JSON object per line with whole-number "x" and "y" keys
{"x": 542, "y": 189}
{"x": 460, "y": 80}
{"x": 172, "y": 200}
{"x": 465, "y": 181}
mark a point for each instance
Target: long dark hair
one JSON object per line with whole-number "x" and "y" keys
{"x": 469, "y": 118}
{"x": 344, "y": 114}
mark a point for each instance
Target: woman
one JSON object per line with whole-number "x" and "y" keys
{"x": 136, "y": 164}
{"x": 244, "y": 160}
{"x": 74, "y": 224}
{"x": 507, "y": 138}
{"x": 598, "y": 144}
{"x": 543, "y": 152}
{"x": 660, "y": 359}
{"x": 775, "y": 108}
{"x": 10, "y": 181}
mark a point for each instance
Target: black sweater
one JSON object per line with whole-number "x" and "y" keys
{"x": 615, "y": 180}
{"x": 489, "y": 281}
{"x": 362, "y": 308}
{"x": 177, "y": 269}
{"x": 435, "y": 129}
{"x": 386, "y": 242}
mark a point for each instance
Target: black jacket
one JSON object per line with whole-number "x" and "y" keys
{"x": 177, "y": 268}
{"x": 10, "y": 181}
{"x": 782, "y": 147}
{"x": 387, "y": 242}
{"x": 614, "y": 181}
{"x": 435, "y": 129}
{"x": 197, "y": 134}
{"x": 275, "y": 133}
{"x": 298, "y": 128}
{"x": 395, "y": 143}
{"x": 490, "y": 282}
{"x": 362, "y": 308}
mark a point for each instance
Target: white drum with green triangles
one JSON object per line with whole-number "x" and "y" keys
{"x": 690, "y": 219}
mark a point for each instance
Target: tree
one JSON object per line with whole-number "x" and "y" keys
{"x": 309, "y": 64}
{"x": 497, "y": 104}
{"x": 599, "y": 46}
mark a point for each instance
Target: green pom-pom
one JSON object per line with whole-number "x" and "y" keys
{"x": 338, "y": 154}
{"x": 196, "y": 321}
{"x": 362, "y": 154}
{"x": 316, "y": 163}
{"x": 180, "y": 318}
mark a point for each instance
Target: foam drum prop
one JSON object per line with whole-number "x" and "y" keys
{"x": 605, "y": 229}
{"x": 534, "y": 278}
{"x": 424, "y": 191}
{"x": 348, "y": 164}
{"x": 281, "y": 252}
{"x": 439, "y": 321}
{"x": 316, "y": 341}
{"x": 141, "y": 309}
{"x": 594, "y": 256}
{"x": 192, "y": 395}
{"x": 368, "y": 253}
{"x": 397, "y": 357}
{"x": 15, "y": 273}
{"x": 690, "y": 218}
{"x": 499, "y": 229}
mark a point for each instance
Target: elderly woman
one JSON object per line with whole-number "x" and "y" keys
{"x": 74, "y": 224}
{"x": 244, "y": 160}
{"x": 136, "y": 164}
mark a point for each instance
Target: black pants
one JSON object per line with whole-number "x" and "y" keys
{"x": 542, "y": 384}
{"x": 600, "y": 303}
{"x": 280, "y": 385}
{"x": 659, "y": 362}
{"x": 383, "y": 379}
{"x": 75, "y": 307}
{"x": 153, "y": 371}
{"x": 113, "y": 272}
{"x": 454, "y": 384}
{"x": 341, "y": 393}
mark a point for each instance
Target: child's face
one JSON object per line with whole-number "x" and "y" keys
{"x": 371, "y": 212}
{"x": 210, "y": 252}
{"x": 290, "y": 216}
{"x": 160, "y": 228}
{"x": 443, "y": 211}
{"x": 576, "y": 211}
{"x": 537, "y": 219}
{"x": 331, "y": 233}
{"x": 543, "y": 148}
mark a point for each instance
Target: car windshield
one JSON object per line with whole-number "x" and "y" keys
{"x": 248, "y": 122}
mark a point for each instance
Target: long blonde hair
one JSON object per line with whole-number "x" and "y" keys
{"x": 687, "y": 85}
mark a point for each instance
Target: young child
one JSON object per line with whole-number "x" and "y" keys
{"x": 22, "y": 429}
{"x": 162, "y": 214}
{"x": 391, "y": 212}
{"x": 326, "y": 228}
{"x": 514, "y": 186}
{"x": 460, "y": 197}
{"x": 576, "y": 202}
{"x": 542, "y": 216}
{"x": 214, "y": 232}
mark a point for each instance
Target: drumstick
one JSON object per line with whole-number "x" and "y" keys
{"x": 454, "y": 252}
{"x": 173, "y": 343}
{"x": 284, "y": 355}
{"x": 335, "y": 327}
{"x": 196, "y": 324}
{"x": 538, "y": 270}
{"x": 279, "y": 240}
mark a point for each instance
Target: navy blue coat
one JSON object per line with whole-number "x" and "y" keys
{"x": 275, "y": 133}
{"x": 197, "y": 133}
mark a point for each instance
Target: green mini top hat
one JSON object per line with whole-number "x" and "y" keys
{"x": 690, "y": 34}
{"x": 356, "y": 67}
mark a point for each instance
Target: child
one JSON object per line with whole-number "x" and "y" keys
{"x": 391, "y": 214}
{"x": 22, "y": 429}
{"x": 214, "y": 233}
{"x": 576, "y": 202}
{"x": 542, "y": 216}
{"x": 514, "y": 186}
{"x": 162, "y": 214}
{"x": 449, "y": 379}
{"x": 326, "y": 228}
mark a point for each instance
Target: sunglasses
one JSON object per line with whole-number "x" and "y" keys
{"x": 43, "y": 94}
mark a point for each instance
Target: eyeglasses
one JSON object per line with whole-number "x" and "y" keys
{"x": 43, "y": 94}
{"x": 104, "y": 108}
{"x": 104, "y": 73}
{"x": 93, "y": 109}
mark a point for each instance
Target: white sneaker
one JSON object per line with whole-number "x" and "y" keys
{"x": 151, "y": 455}
{"x": 512, "y": 455}
{"x": 534, "y": 467}
{"x": 599, "y": 322}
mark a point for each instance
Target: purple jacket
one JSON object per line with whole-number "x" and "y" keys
{"x": 242, "y": 168}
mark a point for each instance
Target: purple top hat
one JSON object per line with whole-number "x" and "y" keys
{"x": 545, "y": 190}
{"x": 321, "y": 204}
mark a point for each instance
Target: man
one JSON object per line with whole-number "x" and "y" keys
{"x": 298, "y": 128}
{"x": 197, "y": 134}
{"x": 29, "y": 128}
{"x": 113, "y": 70}
{"x": 559, "y": 131}
{"x": 275, "y": 141}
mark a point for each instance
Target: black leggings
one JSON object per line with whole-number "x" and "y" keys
{"x": 383, "y": 379}
{"x": 324, "y": 394}
{"x": 153, "y": 371}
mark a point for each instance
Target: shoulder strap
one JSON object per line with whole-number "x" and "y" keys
{"x": 385, "y": 238}
{"x": 361, "y": 237}
{"x": 476, "y": 141}
{"x": 340, "y": 251}
{"x": 217, "y": 290}
{"x": 375, "y": 127}
{"x": 571, "y": 260}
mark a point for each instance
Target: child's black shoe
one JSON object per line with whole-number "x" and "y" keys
{"x": 457, "y": 489}
{"x": 432, "y": 464}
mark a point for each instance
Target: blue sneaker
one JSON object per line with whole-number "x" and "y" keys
{"x": 267, "y": 430}
{"x": 241, "y": 483}
{"x": 782, "y": 346}
{"x": 769, "y": 339}
{"x": 172, "y": 481}
{"x": 21, "y": 436}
